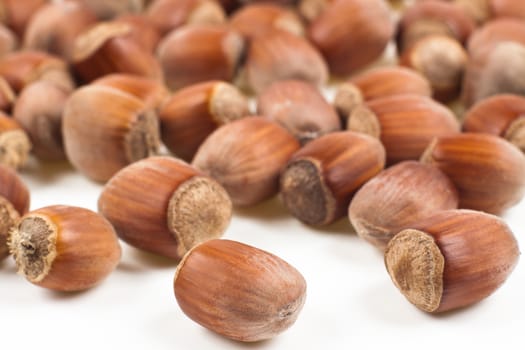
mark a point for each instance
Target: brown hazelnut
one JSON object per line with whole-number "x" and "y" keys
{"x": 167, "y": 15}
{"x": 352, "y": 33}
{"x": 38, "y": 110}
{"x": 452, "y": 259}
{"x": 55, "y": 26}
{"x": 405, "y": 124}
{"x": 8, "y": 40}
{"x": 321, "y": 178}
{"x": 105, "y": 10}
{"x": 300, "y": 107}
{"x": 488, "y": 172}
{"x": 194, "y": 112}
{"x": 143, "y": 32}
{"x": 17, "y": 13}
{"x": 483, "y": 10}
{"x": 105, "y": 129}
{"x": 501, "y": 115}
{"x": 7, "y": 95}
{"x": 14, "y": 202}
{"x": 14, "y": 143}
{"x": 64, "y": 248}
{"x": 165, "y": 206}
{"x": 248, "y": 167}
{"x": 280, "y": 55}
{"x": 194, "y": 54}
{"x": 378, "y": 83}
{"x": 398, "y": 197}
{"x": 239, "y": 291}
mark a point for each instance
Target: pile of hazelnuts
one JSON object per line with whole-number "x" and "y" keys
{"x": 154, "y": 99}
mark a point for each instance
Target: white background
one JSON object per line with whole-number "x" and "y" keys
{"x": 351, "y": 302}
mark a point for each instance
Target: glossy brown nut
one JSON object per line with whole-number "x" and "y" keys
{"x": 142, "y": 31}
{"x": 247, "y": 167}
{"x": 165, "y": 206}
{"x": 194, "y": 54}
{"x": 321, "y": 178}
{"x": 17, "y": 14}
{"x": 14, "y": 202}
{"x": 488, "y": 172}
{"x": 299, "y": 107}
{"x": 64, "y": 248}
{"x": 105, "y": 129}
{"x": 38, "y": 110}
{"x": 14, "y": 143}
{"x": 405, "y": 124}
{"x": 501, "y": 115}
{"x": 280, "y": 55}
{"x": 238, "y": 291}
{"x": 452, "y": 259}
{"x": 398, "y": 197}
{"x": 191, "y": 114}
{"x": 352, "y": 33}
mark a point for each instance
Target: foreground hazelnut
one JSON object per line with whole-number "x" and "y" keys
{"x": 105, "y": 129}
{"x": 501, "y": 115}
{"x": 239, "y": 291}
{"x": 488, "y": 172}
{"x": 299, "y": 107}
{"x": 165, "y": 206}
{"x": 320, "y": 179}
{"x": 64, "y": 248}
{"x": 397, "y": 197}
{"x": 193, "y": 54}
{"x": 194, "y": 112}
{"x": 452, "y": 259}
{"x": 248, "y": 167}
{"x": 14, "y": 143}
{"x": 14, "y": 202}
{"x": 352, "y": 33}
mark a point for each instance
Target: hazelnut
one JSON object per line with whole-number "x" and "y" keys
{"x": 299, "y": 107}
{"x": 398, "y": 197}
{"x": 280, "y": 55}
{"x": 38, "y": 110}
{"x": 257, "y": 19}
{"x": 64, "y": 248}
{"x": 405, "y": 124}
{"x": 14, "y": 202}
{"x": 167, "y": 15}
{"x": 483, "y": 10}
{"x": 165, "y": 206}
{"x": 111, "y": 47}
{"x": 55, "y": 26}
{"x": 105, "y": 10}
{"x": 451, "y": 259}
{"x": 14, "y": 143}
{"x": 352, "y": 33}
{"x": 7, "y": 95}
{"x": 194, "y": 54}
{"x": 501, "y": 115}
{"x": 488, "y": 171}
{"x": 143, "y": 32}
{"x": 378, "y": 83}
{"x": 507, "y": 8}
{"x": 105, "y": 129}
{"x": 239, "y": 291}
{"x": 8, "y": 40}
{"x": 320, "y": 179}
{"x": 442, "y": 60}
{"x": 248, "y": 167}
{"x": 194, "y": 112}
{"x": 16, "y": 14}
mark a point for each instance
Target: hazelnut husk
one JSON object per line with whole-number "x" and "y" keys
{"x": 105, "y": 129}
{"x": 165, "y": 206}
{"x": 501, "y": 115}
{"x": 194, "y": 54}
{"x": 248, "y": 167}
{"x": 16, "y": 14}
{"x": 280, "y": 55}
{"x": 405, "y": 124}
{"x": 452, "y": 259}
{"x": 351, "y": 33}
{"x": 398, "y": 197}
{"x": 321, "y": 178}
{"x": 14, "y": 202}
{"x": 14, "y": 143}
{"x": 300, "y": 107}
{"x": 488, "y": 172}
{"x": 191, "y": 114}
{"x": 64, "y": 248}
{"x": 239, "y": 291}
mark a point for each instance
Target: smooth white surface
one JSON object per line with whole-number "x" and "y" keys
{"x": 351, "y": 302}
